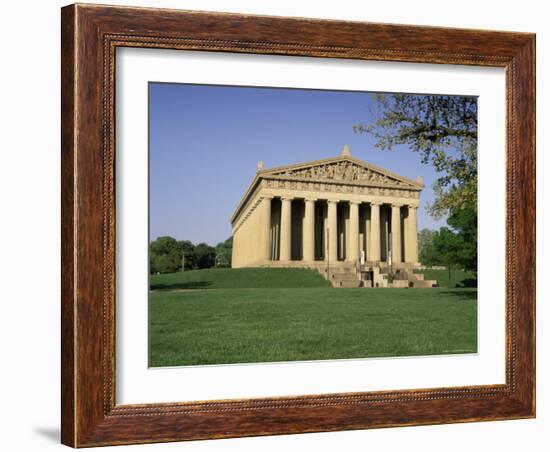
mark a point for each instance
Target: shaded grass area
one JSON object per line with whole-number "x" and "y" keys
{"x": 243, "y": 325}
{"x": 228, "y": 278}
{"x": 458, "y": 278}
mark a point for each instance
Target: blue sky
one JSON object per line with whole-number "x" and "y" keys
{"x": 205, "y": 142}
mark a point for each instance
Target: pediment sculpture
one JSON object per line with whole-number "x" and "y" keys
{"x": 340, "y": 171}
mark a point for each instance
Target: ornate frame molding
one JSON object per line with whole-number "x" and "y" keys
{"x": 90, "y": 36}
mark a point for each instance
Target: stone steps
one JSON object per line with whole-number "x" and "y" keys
{"x": 423, "y": 284}
{"x": 346, "y": 278}
{"x": 341, "y": 274}
{"x": 345, "y": 275}
{"x": 347, "y": 283}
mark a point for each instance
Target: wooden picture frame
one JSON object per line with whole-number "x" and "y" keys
{"x": 90, "y": 36}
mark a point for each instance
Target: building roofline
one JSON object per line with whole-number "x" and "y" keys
{"x": 357, "y": 161}
{"x": 266, "y": 173}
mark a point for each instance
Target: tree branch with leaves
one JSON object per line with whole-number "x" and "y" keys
{"x": 443, "y": 130}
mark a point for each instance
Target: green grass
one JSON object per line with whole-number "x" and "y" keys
{"x": 242, "y": 278}
{"x": 267, "y": 315}
{"x": 459, "y": 278}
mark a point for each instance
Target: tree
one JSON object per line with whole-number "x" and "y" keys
{"x": 427, "y": 254}
{"x": 186, "y": 247}
{"x": 446, "y": 245}
{"x": 164, "y": 255}
{"x": 205, "y": 256}
{"x": 457, "y": 246}
{"x": 164, "y": 245}
{"x": 464, "y": 222}
{"x": 443, "y": 130}
{"x": 224, "y": 250}
{"x": 162, "y": 264}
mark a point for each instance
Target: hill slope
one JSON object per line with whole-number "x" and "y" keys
{"x": 239, "y": 278}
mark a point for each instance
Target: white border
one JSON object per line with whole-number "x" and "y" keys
{"x": 135, "y": 383}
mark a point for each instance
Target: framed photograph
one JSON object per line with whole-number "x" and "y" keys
{"x": 281, "y": 225}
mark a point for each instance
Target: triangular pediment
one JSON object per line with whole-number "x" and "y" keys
{"x": 342, "y": 169}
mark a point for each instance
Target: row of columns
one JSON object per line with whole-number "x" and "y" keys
{"x": 352, "y": 254}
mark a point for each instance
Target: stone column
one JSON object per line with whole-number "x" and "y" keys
{"x": 411, "y": 237}
{"x": 367, "y": 232}
{"x": 266, "y": 228}
{"x": 353, "y": 239}
{"x": 333, "y": 231}
{"x": 396, "y": 233}
{"x": 308, "y": 234}
{"x": 374, "y": 247}
{"x": 286, "y": 224}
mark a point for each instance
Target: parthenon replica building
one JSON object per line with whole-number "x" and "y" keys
{"x": 352, "y": 221}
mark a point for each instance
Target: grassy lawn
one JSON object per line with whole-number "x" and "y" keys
{"x": 266, "y": 315}
{"x": 459, "y": 278}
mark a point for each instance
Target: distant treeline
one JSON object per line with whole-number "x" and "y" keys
{"x": 168, "y": 255}
{"x": 454, "y": 246}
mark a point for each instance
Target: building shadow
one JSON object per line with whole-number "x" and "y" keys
{"x": 181, "y": 285}
{"x": 468, "y": 282}
{"x": 463, "y": 294}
